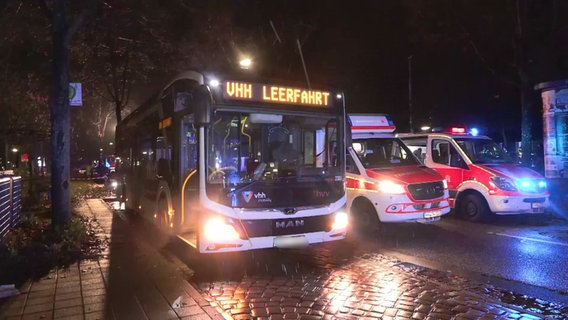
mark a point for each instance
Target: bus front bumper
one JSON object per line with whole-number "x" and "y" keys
{"x": 284, "y": 242}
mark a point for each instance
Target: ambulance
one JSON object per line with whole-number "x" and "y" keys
{"x": 385, "y": 181}
{"x": 482, "y": 179}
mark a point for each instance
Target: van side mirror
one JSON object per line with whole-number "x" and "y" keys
{"x": 202, "y": 110}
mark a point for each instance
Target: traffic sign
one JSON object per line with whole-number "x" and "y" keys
{"x": 75, "y": 95}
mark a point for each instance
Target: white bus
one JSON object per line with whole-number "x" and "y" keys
{"x": 230, "y": 164}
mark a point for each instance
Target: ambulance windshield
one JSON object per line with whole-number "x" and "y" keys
{"x": 483, "y": 151}
{"x": 383, "y": 153}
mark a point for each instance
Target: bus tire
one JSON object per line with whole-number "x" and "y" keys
{"x": 473, "y": 207}
{"x": 364, "y": 217}
{"x": 163, "y": 219}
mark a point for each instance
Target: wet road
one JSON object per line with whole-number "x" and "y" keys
{"x": 529, "y": 249}
{"x": 385, "y": 270}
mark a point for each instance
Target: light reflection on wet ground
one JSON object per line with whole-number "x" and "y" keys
{"x": 348, "y": 279}
{"x": 343, "y": 279}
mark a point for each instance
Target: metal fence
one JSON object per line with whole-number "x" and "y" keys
{"x": 10, "y": 203}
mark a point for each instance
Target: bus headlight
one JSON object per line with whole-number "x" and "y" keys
{"x": 340, "y": 221}
{"x": 217, "y": 230}
{"x": 391, "y": 187}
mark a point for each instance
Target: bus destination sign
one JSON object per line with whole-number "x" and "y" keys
{"x": 258, "y": 92}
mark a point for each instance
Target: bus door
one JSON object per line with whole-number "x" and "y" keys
{"x": 189, "y": 175}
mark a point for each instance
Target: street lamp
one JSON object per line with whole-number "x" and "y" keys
{"x": 245, "y": 63}
{"x": 16, "y": 157}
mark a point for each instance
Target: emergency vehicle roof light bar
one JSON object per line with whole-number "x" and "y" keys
{"x": 457, "y": 130}
{"x": 371, "y": 123}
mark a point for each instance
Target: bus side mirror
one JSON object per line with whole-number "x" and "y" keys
{"x": 202, "y": 110}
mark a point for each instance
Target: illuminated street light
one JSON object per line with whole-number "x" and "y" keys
{"x": 214, "y": 83}
{"x": 425, "y": 128}
{"x": 14, "y": 150}
{"x": 245, "y": 63}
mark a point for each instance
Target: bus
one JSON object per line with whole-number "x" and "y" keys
{"x": 228, "y": 164}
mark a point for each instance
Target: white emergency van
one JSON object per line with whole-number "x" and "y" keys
{"x": 482, "y": 179}
{"x": 385, "y": 181}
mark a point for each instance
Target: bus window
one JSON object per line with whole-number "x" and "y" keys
{"x": 190, "y": 146}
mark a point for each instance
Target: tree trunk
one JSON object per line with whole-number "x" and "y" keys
{"x": 118, "y": 110}
{"x": 60, "y": 120}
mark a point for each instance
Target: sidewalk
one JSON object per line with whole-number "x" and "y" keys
{"x": 129, "y": 280}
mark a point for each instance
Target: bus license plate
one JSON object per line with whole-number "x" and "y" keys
{"x": 291, "y": 242}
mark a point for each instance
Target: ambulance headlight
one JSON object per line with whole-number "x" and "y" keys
{"x": 525, "y": 184}
{"x": 503, "y": 183}
{"x": 531, "y": 185}
{"x": 391, "y": 187}
{"x": 217, "y": 230}
{"x": 340, "y": 221}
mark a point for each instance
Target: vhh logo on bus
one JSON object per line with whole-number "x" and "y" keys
{"x": 247, "y": 195}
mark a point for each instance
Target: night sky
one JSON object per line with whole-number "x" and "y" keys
{"x": 363, "y": 48}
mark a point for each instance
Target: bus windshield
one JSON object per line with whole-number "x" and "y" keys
{"x": 483, "y": 151}
{"x": 272, "y": 150}
{"x": 383, "y": 153}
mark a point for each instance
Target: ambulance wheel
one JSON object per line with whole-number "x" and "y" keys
{"x": 364, "y": 217}
{"x": 473, "y": 208}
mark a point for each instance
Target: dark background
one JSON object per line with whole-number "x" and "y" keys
{"x": 469, "y": 60}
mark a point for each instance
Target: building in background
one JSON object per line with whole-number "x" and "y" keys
{"x": 555, "y": 127}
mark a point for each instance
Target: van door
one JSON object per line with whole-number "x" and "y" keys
{"x": 446, "y": 159}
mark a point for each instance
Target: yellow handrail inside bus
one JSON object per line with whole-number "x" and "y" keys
{"x": 183, "y": 194}
{"x": 244, "y": 121}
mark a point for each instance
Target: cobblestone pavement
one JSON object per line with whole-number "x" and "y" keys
{"x": 372, "y": 286}
{"x": 130, "y": 280}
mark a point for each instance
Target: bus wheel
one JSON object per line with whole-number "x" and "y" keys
{"x": 163, "y": 219}
{"x": 364, "y": 217}
{"x": 473, "y": 208}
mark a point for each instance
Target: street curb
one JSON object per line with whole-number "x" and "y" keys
{"x": 210, "y": 310}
